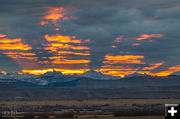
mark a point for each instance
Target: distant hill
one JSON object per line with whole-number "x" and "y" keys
{"x": 72, "y": 83}
{"x": 16, "y": 83}
{"x": 84, "y": 82}
{"x": 130, "y": 82}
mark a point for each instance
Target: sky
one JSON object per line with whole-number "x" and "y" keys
{"x": 115, "y": 37}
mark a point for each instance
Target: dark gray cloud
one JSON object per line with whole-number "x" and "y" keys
{"x": 7, "y": 64}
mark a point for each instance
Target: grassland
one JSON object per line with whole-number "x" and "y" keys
{"x": 112, "y": 117}
{"x": 112, "y": 102}
{"x": 90, "y": 109}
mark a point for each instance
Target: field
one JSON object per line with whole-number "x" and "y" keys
{"x": 111, "y": 117}
{"x": 90, "y": 109}
{"x": 112, "y": 102}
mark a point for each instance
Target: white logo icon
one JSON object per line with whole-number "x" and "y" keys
{"x": 172, "y": 111}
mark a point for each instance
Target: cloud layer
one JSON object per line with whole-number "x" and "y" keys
{"x": 73, "y": 36}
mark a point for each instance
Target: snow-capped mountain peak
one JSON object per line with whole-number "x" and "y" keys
{"x": 135, "y": 75}
{"x": 98, "y": 75}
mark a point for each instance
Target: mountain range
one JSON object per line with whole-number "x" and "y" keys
{"x": 53, "y": 77}
{"x": 90, "y": 79}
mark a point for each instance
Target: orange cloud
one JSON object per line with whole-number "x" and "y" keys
{"x": 117, "y": 70}
{"x": 123, "y": 59}
{"x": 54, "y": 14}
{"x": 67, "y": 46}
{"x": 25, "y": 60}
{"x": 64, "y": 71}
{"x": 153, "y": 66}
{"x": 13, "y": 44}
{"x": 57, "y": 29}
{"x": 150, "y": 41}
{"x": 44, "y": 23}
{"x": 147, "y": 36}
{"x": 67, "y": 61}
{"x": 136, "y": 44}
{"x": 119, "y": 38}
{"x": 19, "y": 52}
{"x": 86, "y": 41}
{"x": 2, "y": 35}
{"x": 114, "y": 46}
{"x": 6, "y": 40}
{"x": 62, "y": 39}
{"x": 74, "y": 53}
{"x": 61, "y": 45}
{"x": 60, "y": 42}
{"x": 16, "y": 55}
{"x": 114, "y": 65}
{"x": 167, "y": 72}
{"x": 3, "y": 72}
{"x": 18, "y": 46}
{"x": 37, "y": 71}
{"x": 126, "y": 70}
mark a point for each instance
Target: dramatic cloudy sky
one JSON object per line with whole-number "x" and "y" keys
{"x": 115, "y": 37}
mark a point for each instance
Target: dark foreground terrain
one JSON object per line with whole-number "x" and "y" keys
{"x": 129, "y": 98}
{"x": 91, "y": 109}
{"x": 60, "y": 93}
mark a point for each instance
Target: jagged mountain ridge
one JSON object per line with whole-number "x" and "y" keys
{"x": 98, "y": 75}
{"x": 84, "y": 82}
{"x": 90, "y": 79}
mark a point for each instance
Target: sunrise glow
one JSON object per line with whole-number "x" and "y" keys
{"x": 70, "y": 42}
